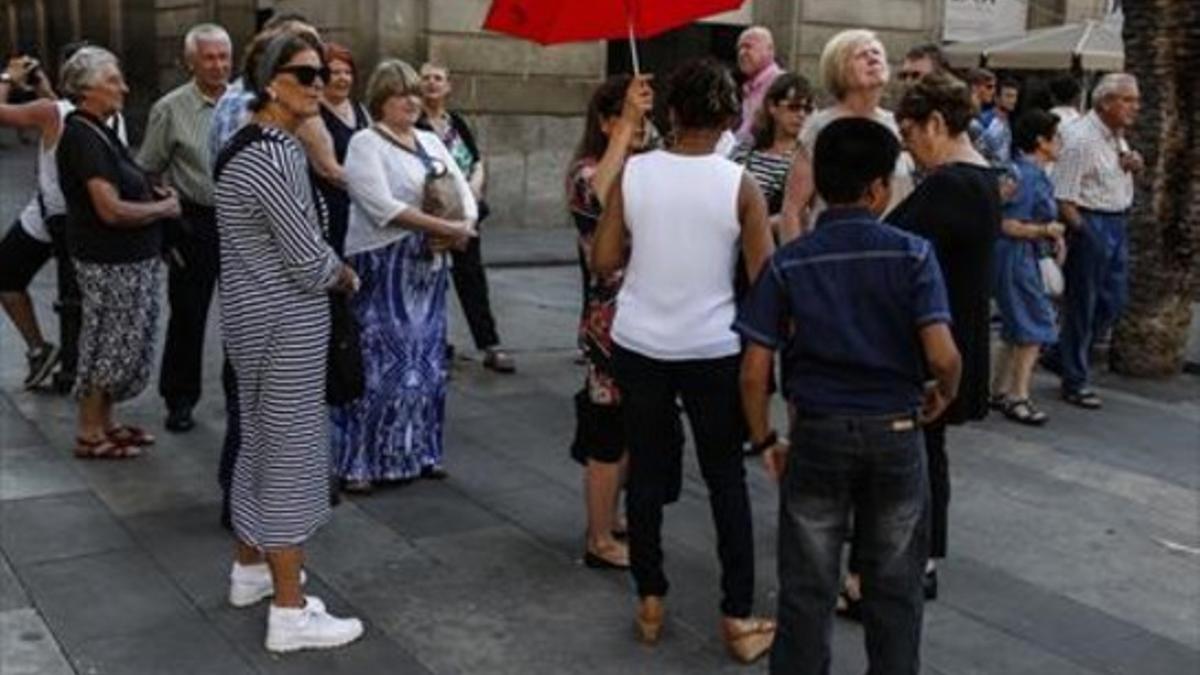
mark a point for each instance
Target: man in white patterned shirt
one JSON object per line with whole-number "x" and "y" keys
{"x": 1093, "y": 183}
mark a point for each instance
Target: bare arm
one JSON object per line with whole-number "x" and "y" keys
{"x": 119, "y": 213}
{"x": 946, "y": 366}
{"x": 318, "y": 146}
{"x": 1068, "y": 213}
{"x": 639, "y": 99}
{"x": 608, "y": 246}
{"x": 757, "y": 245}
{"x": 41, "y": 114}
{"x": 757, "y": 361}
{"x": 797, "y": 196}
{"x": 478, "y": 179}
{"x": 1019, "y": 229}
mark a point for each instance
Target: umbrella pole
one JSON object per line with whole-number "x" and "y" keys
{"x": 633, "y": 51}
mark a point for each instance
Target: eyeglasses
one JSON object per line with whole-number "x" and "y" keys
{"x": 307, "y": 75}
{"x": 908, "y": 75}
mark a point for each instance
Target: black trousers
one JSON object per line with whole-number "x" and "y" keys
{"x": 470, "y": 283}
{"x": 193, "y": 265}
{"x": 712, "y": 401}
{"x": 939, "y": 488}
{"x": 69, "y": 305}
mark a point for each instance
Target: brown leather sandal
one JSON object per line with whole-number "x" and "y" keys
{"x": 747, "y": 640}
{"x": 104, "y": 448}
{"x": 649, "y": 620}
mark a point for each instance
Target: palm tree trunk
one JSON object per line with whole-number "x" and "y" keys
{"x": 1162, "y": 49}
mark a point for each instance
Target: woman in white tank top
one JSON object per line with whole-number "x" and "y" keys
{"x": 685, "y": 213}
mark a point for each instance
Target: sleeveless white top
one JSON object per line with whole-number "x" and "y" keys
{"x": 676, "y": 302}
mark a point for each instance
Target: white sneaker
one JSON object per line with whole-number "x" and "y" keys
{"x": 309, "y": 627}
{"x": 249, "y": 584}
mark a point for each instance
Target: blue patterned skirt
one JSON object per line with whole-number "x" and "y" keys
{"x": 395, "y": 430}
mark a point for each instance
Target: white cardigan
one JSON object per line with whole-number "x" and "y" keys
{"x": 384, "y": 181}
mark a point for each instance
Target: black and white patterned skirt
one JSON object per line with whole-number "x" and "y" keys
{"x": 120, "y": 321}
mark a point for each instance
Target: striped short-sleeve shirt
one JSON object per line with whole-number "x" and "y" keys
{"x": 176, "y": 142}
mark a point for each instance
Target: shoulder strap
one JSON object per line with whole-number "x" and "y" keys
{"x": 244, "y": 137}
{"x": 96, "y": 128}
{"x": 418, "y": 152}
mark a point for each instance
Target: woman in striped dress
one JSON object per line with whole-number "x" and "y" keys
{"x": 776, "y": 135}
{"x": 275, "y": 273}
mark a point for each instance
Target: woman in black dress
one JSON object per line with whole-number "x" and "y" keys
{"x": 343, "y": 117}
{"x": 957, "y": 208}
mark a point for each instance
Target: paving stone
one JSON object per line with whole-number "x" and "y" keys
{"x": 509, "y": 608}
{"x": 16, "y": 431}
{"x": 182, "y": 647}
{"x": 34, "y": 472}
{"x": 61, "y": 526}
{"x": 375, "y": 652}
{"x": 1142, "y": 654}
{"x": 956, "y": 643}
{"x": 354, "y": 546}
{"x": 426, "y": 508}
{"x": 12, "y": 593}
{"x": 109, "y": 594}
{"x": 27, "y": 647}
{"x": 191, "y": 548}
{"x": 1051, "y": 622}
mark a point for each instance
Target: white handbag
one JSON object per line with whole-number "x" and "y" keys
{"x": 1052, "y": 276}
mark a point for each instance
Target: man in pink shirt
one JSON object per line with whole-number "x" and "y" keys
{"x": 756, "y": 60}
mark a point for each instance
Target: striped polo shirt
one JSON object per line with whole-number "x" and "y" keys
{"x": 176, "y": 142}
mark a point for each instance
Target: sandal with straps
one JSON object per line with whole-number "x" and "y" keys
{"x": 1084, "y": 398}
{"x": 747, "y": 640}
{"x": 128, "y": 434}
{"x": 104, "y": 448}
{"x": 1023, "y": 412}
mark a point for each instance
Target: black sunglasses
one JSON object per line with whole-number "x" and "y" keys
{"x": 307, "y": 75}
{"x": 909, "y": 76}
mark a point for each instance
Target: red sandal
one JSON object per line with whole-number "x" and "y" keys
{"x": 104, "y": 448}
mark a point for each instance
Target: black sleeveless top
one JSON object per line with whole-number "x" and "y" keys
{"x": 336, "y": 198}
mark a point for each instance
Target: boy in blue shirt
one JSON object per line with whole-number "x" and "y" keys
{"x": 869, "y": 320}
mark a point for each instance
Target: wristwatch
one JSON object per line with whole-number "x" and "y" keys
{"x": 752, "y": 449}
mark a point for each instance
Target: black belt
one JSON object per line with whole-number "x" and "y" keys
{"x": 1104, "y": 213}
{"x": 894, "y": 422}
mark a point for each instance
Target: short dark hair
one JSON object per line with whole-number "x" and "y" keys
{"x": 1035, "y": 123}
{"x": 1065, "y": 90}
{"x": 786, "y": 86}
{"x": 703, "y": 95}
{"x": 850, "y": 154}
{"x": 1008, "y": 83}
{"x": 931, "y": 51}
{"x": 942, "y": 93}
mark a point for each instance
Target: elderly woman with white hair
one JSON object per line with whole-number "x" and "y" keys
{"x": 397, "y": 244}
{"x": 114, "y": 238}
{"x": 854, "y": 69}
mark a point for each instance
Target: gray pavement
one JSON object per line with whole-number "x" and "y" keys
{"x": 1075, "y": 548}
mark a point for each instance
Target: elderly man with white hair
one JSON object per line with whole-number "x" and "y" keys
{"x": 1093, "y": 183}
{"x": 756, "y": 61}
{"x": 176, "y": 149}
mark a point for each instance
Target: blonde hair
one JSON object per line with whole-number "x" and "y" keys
{"x": 835, "y": 59}
{"x": 392, "y": 77}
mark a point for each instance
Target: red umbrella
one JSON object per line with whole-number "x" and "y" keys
{"x": 556, "y": 21}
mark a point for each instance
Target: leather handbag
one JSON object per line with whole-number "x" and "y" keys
{"x": 440, "y": 195}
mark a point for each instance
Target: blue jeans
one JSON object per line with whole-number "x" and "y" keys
{"x": 1097, "y": 280}
{"x": 873, "y": 467}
